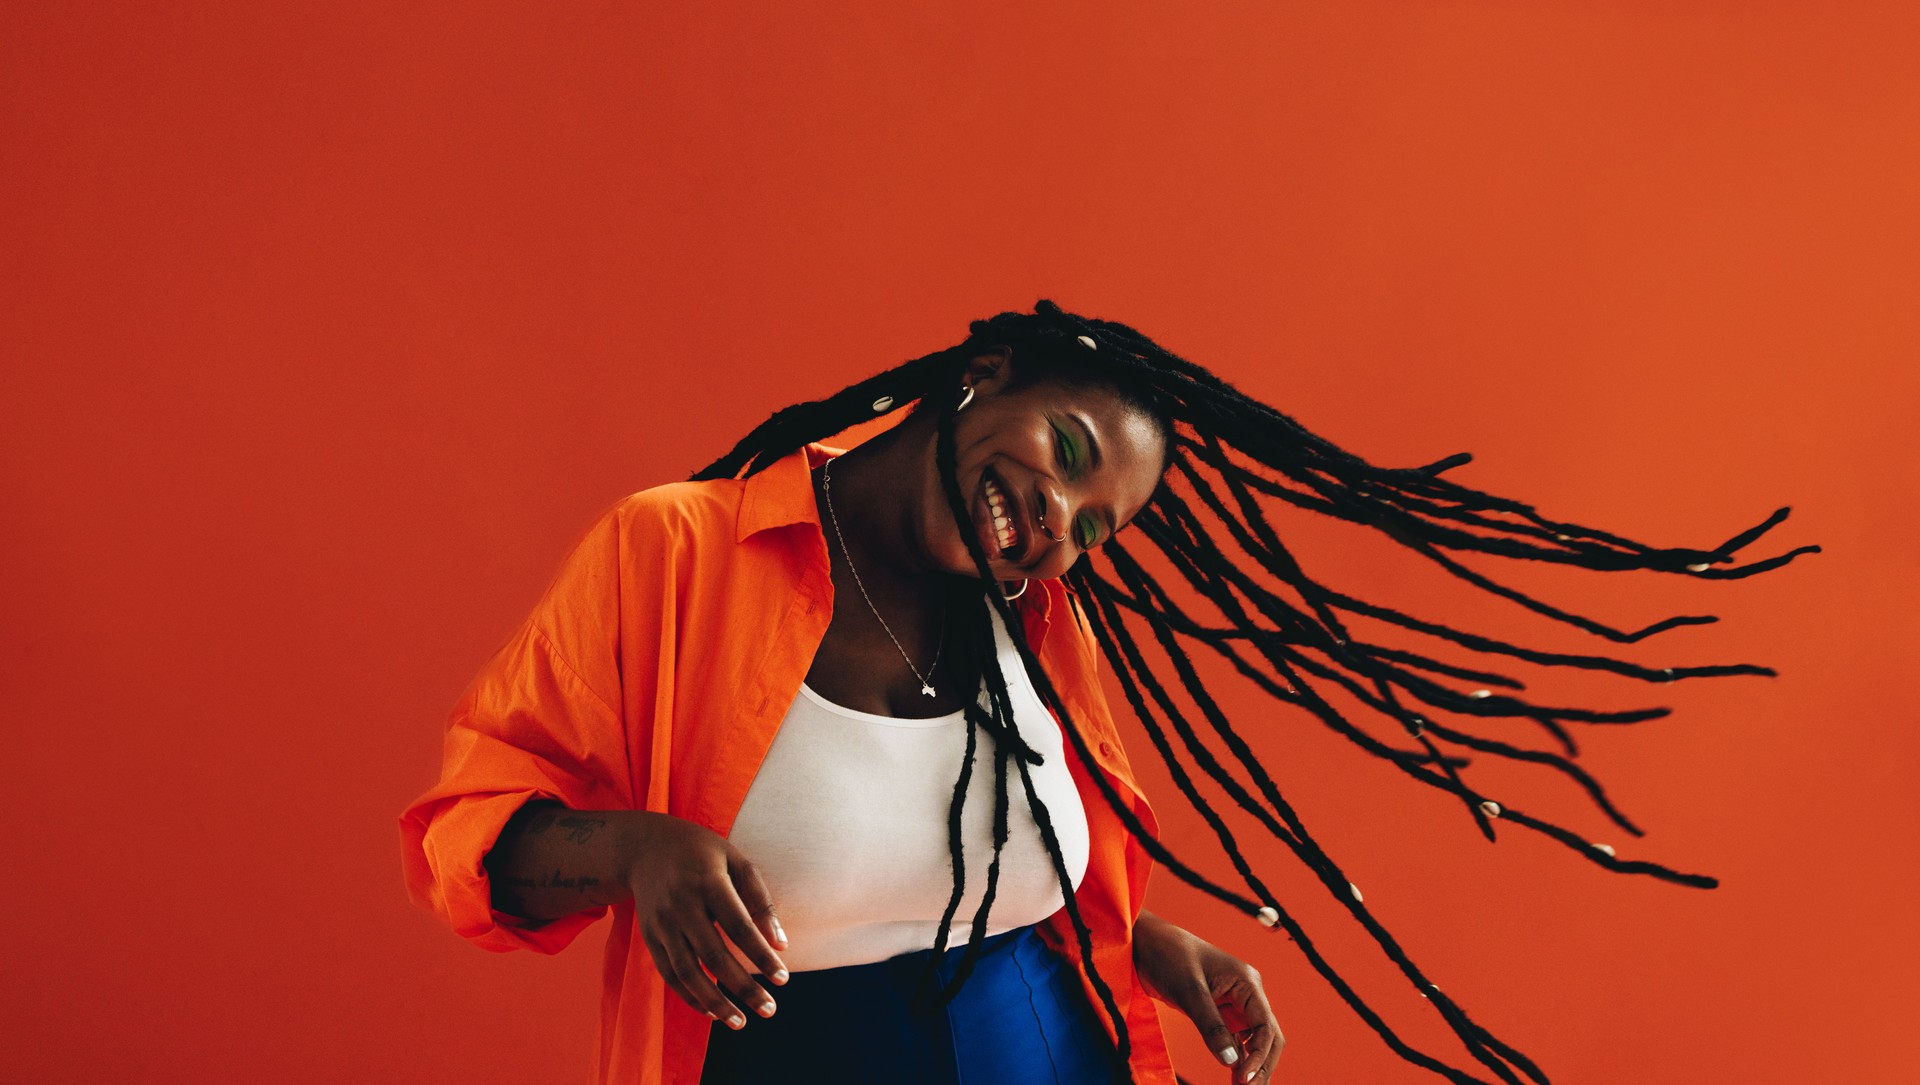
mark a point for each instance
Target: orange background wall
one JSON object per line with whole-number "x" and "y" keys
{"x": 327, "y": 328}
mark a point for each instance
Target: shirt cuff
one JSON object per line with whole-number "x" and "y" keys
{"x": 457, "y": 845}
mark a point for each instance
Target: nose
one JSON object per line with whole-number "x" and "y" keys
{"x": 1049, "y": 501}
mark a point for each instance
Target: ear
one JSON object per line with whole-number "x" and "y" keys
{"x": 989, "y": 369}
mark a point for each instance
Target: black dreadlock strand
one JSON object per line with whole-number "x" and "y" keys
{"x": 1230, "y": 458}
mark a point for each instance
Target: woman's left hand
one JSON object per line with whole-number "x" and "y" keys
{"x": 1220, "y": 992}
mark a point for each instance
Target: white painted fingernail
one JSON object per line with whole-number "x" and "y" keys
{"x": 779, "y": 935}
{"x": 1229, "y": 1055}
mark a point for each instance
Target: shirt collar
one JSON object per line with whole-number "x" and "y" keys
{"x": 781, "y": 495}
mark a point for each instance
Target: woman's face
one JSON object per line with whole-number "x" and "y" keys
{"x": 1075, "y": 455}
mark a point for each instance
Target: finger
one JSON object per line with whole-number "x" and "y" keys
{"x": 1262, "y": 1044}
{"x": 701, "y": 992}
{"x": 727, "y": 971}
{"x": 663, "y": 964}
{"x": 756, "y": 899}
{"x": 1197, "y": 1003}
{"x": 744, "y": 909}
{"x": 1263, "y": 1038}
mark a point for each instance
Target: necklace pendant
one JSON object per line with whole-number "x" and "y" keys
{"x": 926, "y": 689}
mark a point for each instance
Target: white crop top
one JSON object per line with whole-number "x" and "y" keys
{"x": 847, "y": 822}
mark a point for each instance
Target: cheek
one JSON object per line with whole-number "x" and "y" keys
{"x": 941, "y": 537}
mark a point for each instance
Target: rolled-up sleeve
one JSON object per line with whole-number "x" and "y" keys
{"x": 538, "y": 722}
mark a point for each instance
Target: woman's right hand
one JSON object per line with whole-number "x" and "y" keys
{"x": 685, "y": 879}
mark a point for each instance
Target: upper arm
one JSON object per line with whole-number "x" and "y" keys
{"x": 543, "y": 719}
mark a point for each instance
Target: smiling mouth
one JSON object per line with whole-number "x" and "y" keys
{"x": 1009, "y": 542}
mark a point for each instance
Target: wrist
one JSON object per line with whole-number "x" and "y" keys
{"x": 631, "y": 842}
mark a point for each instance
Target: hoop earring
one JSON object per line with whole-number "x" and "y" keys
{"x": 1015, "y": 595}
{"x": 967, "y": 400}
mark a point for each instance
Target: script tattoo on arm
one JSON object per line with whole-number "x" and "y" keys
{"x": 550, "y": 861}
{"x": 555, "y": 880}
{"x": 539, "y": 820}
{"x": 544, "y": 816}
{"x": 581, "y": 829}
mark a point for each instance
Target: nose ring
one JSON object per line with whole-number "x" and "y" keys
{"x": 1041, "y": 516}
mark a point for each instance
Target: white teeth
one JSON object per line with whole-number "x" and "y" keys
{"x": 1002, "y": 522}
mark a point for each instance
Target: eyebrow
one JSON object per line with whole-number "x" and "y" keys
{"x": 1093, "y": 452}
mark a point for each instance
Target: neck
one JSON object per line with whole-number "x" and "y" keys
{"x": 876, "y": 487}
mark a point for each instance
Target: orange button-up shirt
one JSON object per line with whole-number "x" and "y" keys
{"x": 652, "y": 675}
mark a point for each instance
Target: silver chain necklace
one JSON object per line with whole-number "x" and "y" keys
{"x": 926, "y": 680}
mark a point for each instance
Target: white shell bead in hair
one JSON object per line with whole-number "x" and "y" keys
{"x": 1267, "y": 917}
{"x": 1479, "y": 693}
{"x": 1490, "y": 808}
{"x": 882, "y": 404}
{"x": 1604, "y": 849}
{"x": 1700, "y": 568}
{"x": 1088, "y": 340}
{"x": 1355, "y": 890}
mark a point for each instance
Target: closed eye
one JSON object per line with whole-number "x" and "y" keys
{"x": 1087, "y": 533}
{"x": 1065, "y": 453}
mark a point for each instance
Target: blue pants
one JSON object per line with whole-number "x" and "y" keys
{"x": 1020, "y": 1019}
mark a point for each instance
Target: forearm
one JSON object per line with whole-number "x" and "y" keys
{"x": 1149, "y": 924}
{"x": 551, "y": 861}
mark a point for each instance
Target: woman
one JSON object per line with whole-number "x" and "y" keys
{"x": 727, "y": 717}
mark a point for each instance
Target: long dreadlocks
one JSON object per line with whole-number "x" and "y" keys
{"x": 1229, "y": 457}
